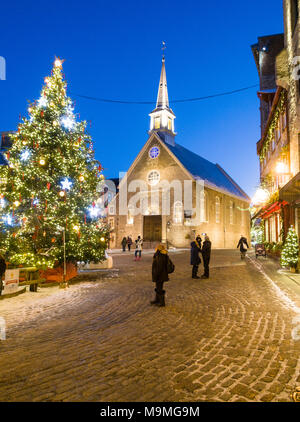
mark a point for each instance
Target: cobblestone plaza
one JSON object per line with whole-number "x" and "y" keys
{"x": 228, "y": 338}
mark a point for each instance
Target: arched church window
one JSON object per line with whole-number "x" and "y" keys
{"x": 130, "y": 215}
{"x": 178, "y": 212}
{"x": 218, "y": 209}
{"x": 169, "y": 123}
{"x": 153, "y": 177}
{"x": 157, "y": 123}
{"x": 231, "y": 212}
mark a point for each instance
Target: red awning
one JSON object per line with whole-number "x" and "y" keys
{"x": 271, "y": 209}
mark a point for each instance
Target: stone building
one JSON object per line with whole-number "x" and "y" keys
{"x": 169, "y": 193}
{"x": 278, "y": 62}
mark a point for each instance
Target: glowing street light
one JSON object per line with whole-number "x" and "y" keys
{"x": 260, "y": 196}
{"x": 280, "y": 168}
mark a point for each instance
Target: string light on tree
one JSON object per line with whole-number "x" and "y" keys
{"x": 47, "y": 196}
{"x": 290, "y": 251}
{"x": 42, "y": 102}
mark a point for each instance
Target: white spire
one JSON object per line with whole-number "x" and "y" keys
{"x": 162, "y": 117}
{"x": 162, "y": 96}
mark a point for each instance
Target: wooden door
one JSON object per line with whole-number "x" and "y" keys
{"x": 152, "y": 228}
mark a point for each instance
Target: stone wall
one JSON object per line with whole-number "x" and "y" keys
{"x": 223, "y": 234}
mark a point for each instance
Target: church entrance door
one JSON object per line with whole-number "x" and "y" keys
{"x": 152, "y": 228}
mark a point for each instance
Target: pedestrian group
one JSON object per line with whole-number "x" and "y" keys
{"x": 162, "y": 265}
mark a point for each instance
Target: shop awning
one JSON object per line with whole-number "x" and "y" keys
{"x": 265, "y": 212}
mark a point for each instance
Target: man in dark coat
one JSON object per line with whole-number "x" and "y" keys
{"x": 195, "y": 258}
{"x": 2, "y": 271}
{"x": 129, "y": 243}
{"x": 160, "y": 274}
{"x": 243, "y": 245}
{"x": 124, "y": 243}
{"x": 206, "y": 250}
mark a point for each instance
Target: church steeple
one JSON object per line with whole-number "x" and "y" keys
{"x": 162, "y": 95}
{"x": 162, "y": 117}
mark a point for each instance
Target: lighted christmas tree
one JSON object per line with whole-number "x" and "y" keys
{"x": 290, "y": 251}
{"x": 50, "y": 185}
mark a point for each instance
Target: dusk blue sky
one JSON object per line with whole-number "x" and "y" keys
{"x": 113, "y": 50}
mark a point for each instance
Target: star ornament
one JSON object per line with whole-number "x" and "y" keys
{"x": 58, "y": 62}
{"x": 66, "y": 184}
{"x": 42, "y": 102}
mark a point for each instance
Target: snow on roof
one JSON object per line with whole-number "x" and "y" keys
{"x": 203, "y": 169}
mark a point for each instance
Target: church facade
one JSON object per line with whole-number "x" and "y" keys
{"x": 170, "y": 194}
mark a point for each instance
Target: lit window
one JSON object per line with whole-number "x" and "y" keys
{"x": 153, "y": 177}
{"x": 157, "y": 122}
{"x": 111, "y": 222}
{"x": 169, "y": 124}
{"x": 218, "y": 210}
{"x": 203, "y": 207}
{"x": 178, "y": 214}
{"x": 154, "y": 152}
{"x": 130, "y": 214}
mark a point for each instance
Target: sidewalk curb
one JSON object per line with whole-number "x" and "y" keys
{"x": 9, "y": 295}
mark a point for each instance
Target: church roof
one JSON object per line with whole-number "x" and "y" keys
{"x": 200, "y": 168}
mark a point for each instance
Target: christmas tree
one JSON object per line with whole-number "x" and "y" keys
{"x": 290, "y": 251}
{"x": 49, "y": 188}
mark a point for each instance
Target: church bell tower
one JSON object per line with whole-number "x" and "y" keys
{"x": 162, "y": 117}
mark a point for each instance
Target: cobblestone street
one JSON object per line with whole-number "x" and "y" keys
{"x": 228, "y": 338}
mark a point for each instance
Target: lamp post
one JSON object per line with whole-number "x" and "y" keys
{"x": 168, "y": 227}
{"x": 64, "y": 284}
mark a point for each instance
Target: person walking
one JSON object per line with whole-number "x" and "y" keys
{"x": 2, "y": 271}
{"x": 124, "y": 243}
{"x": 162, "y": 266}
{"x": 138, "y": 249}
{"x": 243, "y": 245}
{"x": 195, "y": 258}
{"x": 129, "y": 243}
{"x": 206, "y": 251}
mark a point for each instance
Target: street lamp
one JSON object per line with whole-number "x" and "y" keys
{"x": 168, "y": 227}
{"x": 260, "y": 196}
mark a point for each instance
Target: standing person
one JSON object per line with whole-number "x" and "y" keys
{"x": 206, "y": 250}
{"x": 129, "y": 243}
{"x": 124, "y": 243}
{"x": 162, "y": 266}
{"x": 195, "y": 258}
{"x": 243, "y": 245}
{"x": 138, "y": 248}
{"x": 2, "y": 271}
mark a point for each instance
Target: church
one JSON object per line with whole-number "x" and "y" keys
{"x": 170, "y": 194}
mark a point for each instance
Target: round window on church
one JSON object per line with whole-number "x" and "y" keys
{"x": 153, "y": 177}
{"x": 154, "y": 152}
